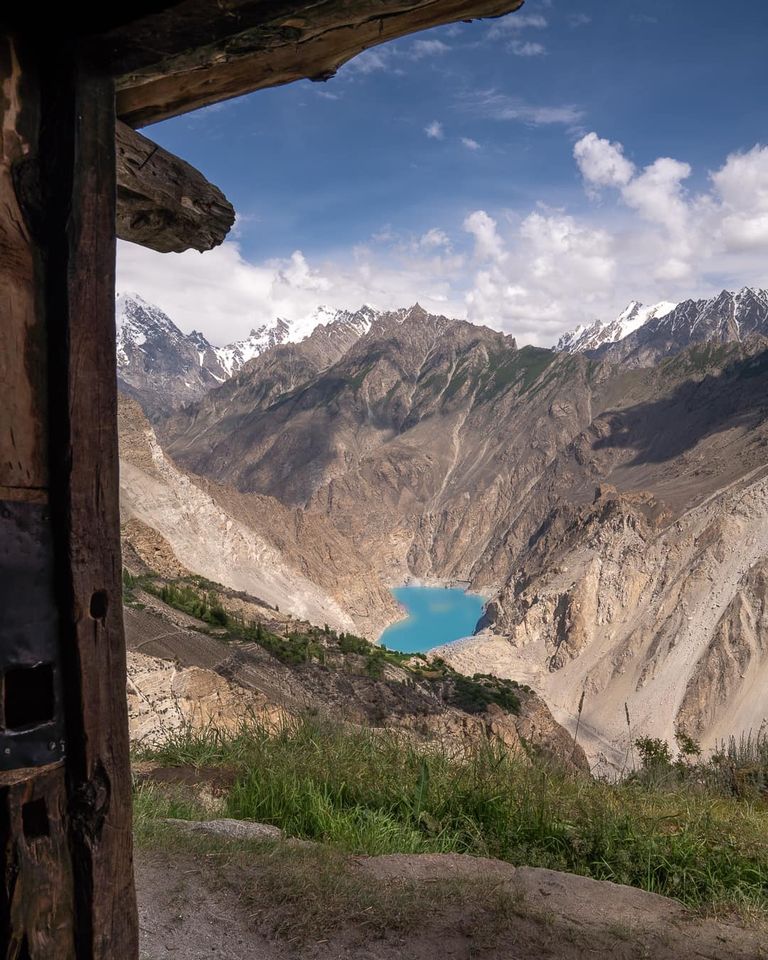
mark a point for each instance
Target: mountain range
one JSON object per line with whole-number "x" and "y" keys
{"x": 585, "y": 338}
{"x": 609, "y": 499}
{"x": 164, "y": 368}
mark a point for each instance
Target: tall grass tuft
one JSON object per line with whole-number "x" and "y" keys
{"x": 373, "y": 792}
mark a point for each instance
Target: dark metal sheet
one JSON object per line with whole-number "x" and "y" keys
{"x": 29, "y": 634}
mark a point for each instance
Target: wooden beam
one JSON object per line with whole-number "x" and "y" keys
{"x": 23, "y": 434}
{"x": 78, "y": 180}
{"x": 163, "y": 202}
{"x": 202, "y": 51}
{"x": 36, "y": 888}
{"x": 66, "y": 883}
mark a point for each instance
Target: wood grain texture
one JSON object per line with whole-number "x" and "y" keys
{"x": 163, "y": 202}
{"x": 36, "y": 912}
{"x": 202, "y": 51}
{"x": 22, "y": 342}
{"x": 77, "y": 167}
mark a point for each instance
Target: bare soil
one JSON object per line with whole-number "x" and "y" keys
{"x": 283, "y": 904}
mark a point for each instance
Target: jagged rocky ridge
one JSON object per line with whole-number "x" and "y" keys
{"x": 644, "y": 336}
{"x": 595, "y": 335}
{"x": 163, "y": 368}
{"x": 443, "y": 451}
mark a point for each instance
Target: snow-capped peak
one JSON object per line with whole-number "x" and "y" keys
{"x": 631, "y": 318}
{"x": 235, "y": 355}
{"x": 138, "y": 321}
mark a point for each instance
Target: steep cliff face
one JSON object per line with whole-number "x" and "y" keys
{"x": 252, "y": 543}
{"x": 665, "y": 618}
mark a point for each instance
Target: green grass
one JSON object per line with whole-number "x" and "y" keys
{"x": 374, "y": 793}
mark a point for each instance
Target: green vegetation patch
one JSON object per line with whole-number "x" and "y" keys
{"x": 513, "y": 367}
{"x": 434, "y": 383}
{"x": 475, "y": 694}
{"x": 373, "y": 792}
{"x": 455, "y": 384}
{"x": 356, "y": 381}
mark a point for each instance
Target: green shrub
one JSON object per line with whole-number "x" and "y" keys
{"x": 476, "y": 694}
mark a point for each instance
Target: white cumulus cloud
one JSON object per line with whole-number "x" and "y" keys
{"x": 601, "y": 162}
{"x": 488, "y": 243}
{"x": 534, "y": 272}
{"x": 741, "y": 185}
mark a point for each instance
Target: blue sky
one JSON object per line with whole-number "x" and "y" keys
{"x": 531, "y": 173}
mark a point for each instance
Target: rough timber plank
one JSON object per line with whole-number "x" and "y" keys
{"x": 36, "y": 906}
{"x": 202, "y": 51}
{"x": 164, "y": 203}
{"x": 77, "y": 170}
{"x": 22, "y": 343}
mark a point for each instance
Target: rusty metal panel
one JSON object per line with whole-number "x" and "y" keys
{"x": 31, "y": 694}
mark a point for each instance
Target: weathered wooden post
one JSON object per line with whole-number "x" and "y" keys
{"x": 65, "y": 825}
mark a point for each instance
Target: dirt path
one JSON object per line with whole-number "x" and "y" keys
{"x": 286, "y": 904}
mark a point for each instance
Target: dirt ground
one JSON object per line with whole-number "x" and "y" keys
{"x": 286, "y": 903}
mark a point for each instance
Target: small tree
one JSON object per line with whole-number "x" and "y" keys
{"x": 654, "y": 753}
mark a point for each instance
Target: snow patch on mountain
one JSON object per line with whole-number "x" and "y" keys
{"x": 594, "y": 335}
{"x": 136, "y": 321}
{"x": 144, "y": 332}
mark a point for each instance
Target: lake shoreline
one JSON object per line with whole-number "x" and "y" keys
{"x": 436, "y": 614}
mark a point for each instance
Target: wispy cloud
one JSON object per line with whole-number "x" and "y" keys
{"x": 516, "y": 22}
{"x": 525, "y": 48}
{"x": 434, "y": 130}
{"x": 327, "y": 94}
{"x": 502, "y": 106}
{"x": 579, "y": 19}
{"x": 392, "y": 58}
{"x": 426, "y": 48}
{"x": 470, "y": 144}
{"x": 369, "y": 61}
{"x": 434, "y": 239}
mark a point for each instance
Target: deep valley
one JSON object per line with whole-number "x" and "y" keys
{"x": 609, "y": 499}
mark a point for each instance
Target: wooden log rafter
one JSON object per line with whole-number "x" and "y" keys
{"x": 163, "y": 202}
{"x": 199, "y": 52}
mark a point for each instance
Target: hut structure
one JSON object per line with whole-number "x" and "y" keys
{"x": 77, "y": 80}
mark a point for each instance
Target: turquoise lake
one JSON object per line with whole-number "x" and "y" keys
{"x": 435, "y": 615}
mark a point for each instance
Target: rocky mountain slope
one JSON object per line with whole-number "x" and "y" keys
{"x": 164, "y": 369}
{"x": 289, "y": 558}
{"x": 444, "y": 451}
{"x": 157, "y": 364}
